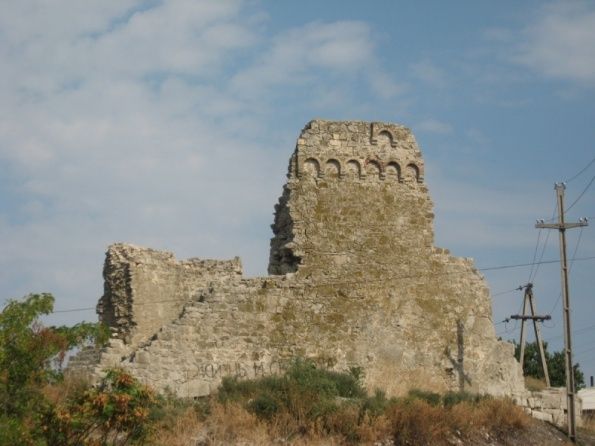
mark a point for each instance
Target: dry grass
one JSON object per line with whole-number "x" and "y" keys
{"x": 59, "y": 392}
{"x": 422, "y": 423}
{"x": 412, "y": 422}
{"x": 384, "y": 372}
{"x": 184, "y": 430}
{"x": 232, "y": 424}
{"x": 535, "y": 384}
{"x": 304, "y": 414}
{"x": 589, "y": 423}
{"x": 310, "y": 406}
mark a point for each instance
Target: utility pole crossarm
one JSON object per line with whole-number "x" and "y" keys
{"x": 579, "y": 224}
{"x": 524, "y": 317}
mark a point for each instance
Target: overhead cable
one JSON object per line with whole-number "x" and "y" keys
{"x": 580, "y": 172}
{"x": 581, "y": 194}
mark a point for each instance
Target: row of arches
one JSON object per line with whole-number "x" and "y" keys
{"x": 370, "y": 168}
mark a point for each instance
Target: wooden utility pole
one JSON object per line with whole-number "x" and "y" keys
{"x": 562, "y": 226}
{"x": 528, "y": 299}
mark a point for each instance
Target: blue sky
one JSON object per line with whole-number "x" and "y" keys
{"x": 169, "y": 125}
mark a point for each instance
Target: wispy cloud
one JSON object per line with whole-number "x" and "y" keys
{"x": 429, "y": 73}
{"x": 147, "y": 123}
{"x": 434, "y": 126}
{"x": 560, "y": 43}
{"x": 318, "y": 58}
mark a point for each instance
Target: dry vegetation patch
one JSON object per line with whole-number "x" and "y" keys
{"x": 310, "y": 406}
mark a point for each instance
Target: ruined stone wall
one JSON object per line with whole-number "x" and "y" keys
{"x": 355, "y": 281}
{"x": 145, "y": 289}
{"x": 550, "y": 405}
{"x": 354, "y": 202}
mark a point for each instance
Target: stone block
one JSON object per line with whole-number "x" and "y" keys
{"x": 543, "y": 416}
{"x": 193, "y": 388}
{"x": 142, "y": 357}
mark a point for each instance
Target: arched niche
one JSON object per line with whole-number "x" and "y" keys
{"x": 381, "y": 133}
{"x": 353, "y": 169}
{"x": 393, "y": 171}
{"x": 412, "y": 173}
{"x": 332, "y": 169}
{"x": 311, "y": 167}
{"x": 373, "y": 169}
{"x": 385, "y": 138}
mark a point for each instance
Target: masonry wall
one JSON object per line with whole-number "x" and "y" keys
{"x": 355, "y": 281}
{"x": 145, "y": 289}
{"x": 549, "y": 405}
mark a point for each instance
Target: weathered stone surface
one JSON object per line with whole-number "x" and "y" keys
{"x": 355, "y": 281}
{"x": 543, "y": 416}
{"x": 548, "y": 405}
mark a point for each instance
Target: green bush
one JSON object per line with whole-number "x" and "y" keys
{"x": 264, "y": 406}
{"x": 119, "y": 411}
{"x": 31, "y": 357}
{"x": 431, "y": 398}
{"x": 375, "y": 405}
{"x": 314, "y": 404}
{"x": 305, "y": 391}
{"x": 450, "y": 399}
{"x": 234, "y": 389}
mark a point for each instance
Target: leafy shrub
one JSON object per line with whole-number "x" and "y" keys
{"x": 450, "y": 399}
{"x": 417, "y": 422}
{"x": 31, "y": 356}
{"x": 309, "y": 405}
{"x": 555, "y": 362}
{"x": 234, "y": 389}
{"x": 433, "y": 399}
{"x": 264, "y": 406}
{"x": 305, "y": 392}
{"x": 119, "y": 411}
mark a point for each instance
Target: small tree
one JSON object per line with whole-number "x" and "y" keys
{"x": 119, "y": 411}
{"x": 555, "y": 363}
{"x": 29, "y": 354}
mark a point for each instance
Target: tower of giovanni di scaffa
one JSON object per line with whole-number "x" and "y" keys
{"x": 354, "y": 281}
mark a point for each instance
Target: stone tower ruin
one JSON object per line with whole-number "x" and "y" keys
{"x": 354, "y": 281}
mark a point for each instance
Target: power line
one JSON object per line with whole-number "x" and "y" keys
{"x": 581, "y": 194}
{"x": 580, "y": 330}
{"x": 547, "y": 238}
{"x": 580, "y": 235}
{"x": 447, "y": 273}
{"x": 505, "y": 292}
{"x": 508, "y": 331}
{"x": 580, "y": 172}
{"x": 535, "y": 255}
{"x": 72, "y": 310}
{"x": 585, "y": 351}
{"x": 409, "y": 276}
{"x": 543, "y": 262}
{"x": 553, "y": 325}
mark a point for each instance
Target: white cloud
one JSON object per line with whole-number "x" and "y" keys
{"x": 110, "y": 135}
{"x": 434, "y": 126}
{"x": 298, "y": 56}
{"x": 560, "y": 43}
{"x": 428, "y": 72}
{"x": 123, "y": 122}
{"x": 496, "y": 34}
{"x": 476, "y": 217}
